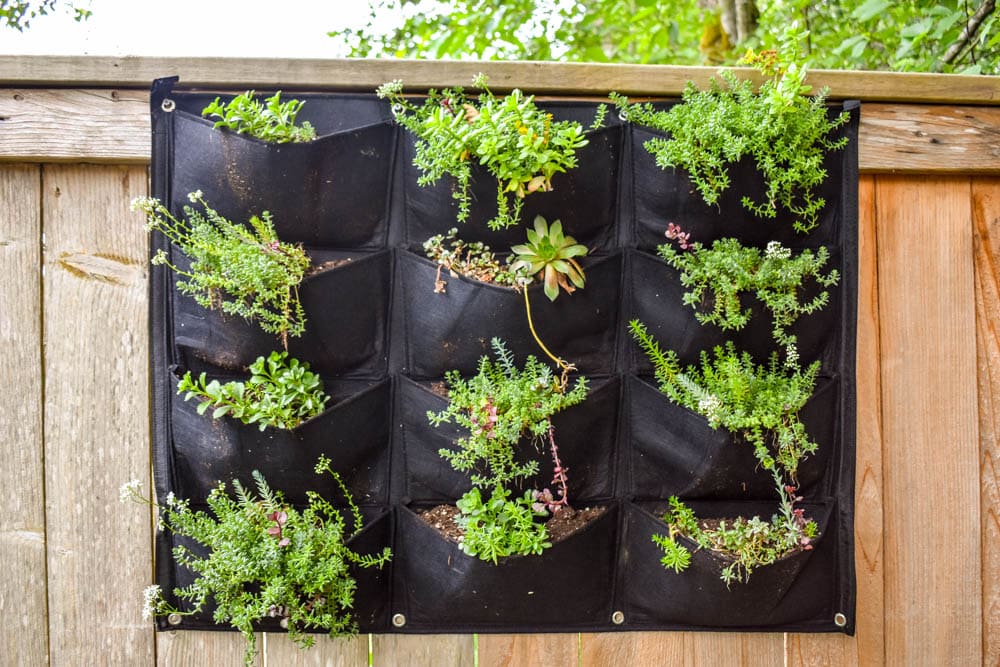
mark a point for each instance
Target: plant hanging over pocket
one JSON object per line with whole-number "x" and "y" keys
{"x": 265, "y": 559}
{"x": 785, "y": 133}
{"x": 272, "y": 120}
{"x": 240, "y": 270}
{"x": 499, "y": 407}
{"x": 281, "y": 393}
{"x": 518, "y": 143}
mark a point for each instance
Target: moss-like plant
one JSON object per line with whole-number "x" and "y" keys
{"x": 241, "y": 270}
{"x": 271, "y": 120}
{"x": 499, "y": 407}
{"x": 785, "y": 133}
{"x": 265, "y": 559}
{"x": 518, "y": 143}
{"x": 281, "y": 393}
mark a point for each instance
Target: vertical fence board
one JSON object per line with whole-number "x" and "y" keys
{"x": 423, "y": 651}
{"x": 986, "y": 220}
{"x": 326, "y": 652}
{"x": 193, "y": 649}
{"x": 96, "y": 414}
{"x": 23, "y": 635}
{"x": 633, "y": 648}
{"x": 552, "y": 650}
{"x": 933, "y": 606}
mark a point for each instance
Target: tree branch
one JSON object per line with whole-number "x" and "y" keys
{"x": 970, "y": 30}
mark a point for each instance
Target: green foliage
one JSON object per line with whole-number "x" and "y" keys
{"x": 472, "y": 260}
{"x": 550, "y": 254}
{"x": 786, "y": 134}
{"x": 500, "y": 526}
{"x": 19, "y": 14}
{"x": 240, "y": 270}
{"x": 717, "y": 277}
{"x": 267, "y": 559}
{"x": 745, "y": 543}
{"x": 758, "y": 402}
{"x": 271, "y": 120}
{"x": 513, "y": 139}
{"x": 281, "y": 393}
{"x": 498, "y": 406}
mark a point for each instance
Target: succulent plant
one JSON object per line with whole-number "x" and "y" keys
{"x": 550, "y": 253}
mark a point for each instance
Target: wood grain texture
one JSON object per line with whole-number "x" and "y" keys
{"x": 929, "y": 139}
{"x": 423, "y": 651}
{"x": 196, "y": 649}
{"x": 326, "y": 652}
{"x": 96, "y": 418}
{"x": 547, "y": 77}
{"x": 23, "y": 635}
{"x": 552, "y": 650}
{"x": 986, "y": 222}
{"x": 929, "y": 422}
{"x": 633, "y": 648}
{"x": 38, "y": 125}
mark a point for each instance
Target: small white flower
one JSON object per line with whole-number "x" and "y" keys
{"x": 777, "y": 251}
{"x": 171, "y": 499}
{"x": 791, "y": 355}
{"x": 151, "y": 599}
{"x": 193, "y": 197}
{"x": 129, "y": 490}
{"x": 159, "y": 258}
{"x": 709, "y": 406}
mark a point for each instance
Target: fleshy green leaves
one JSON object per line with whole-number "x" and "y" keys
{"x": 552, "y": 255}
{"x": 272, "y": 120}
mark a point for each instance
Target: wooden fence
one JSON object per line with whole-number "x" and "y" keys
{"x": 74, "y": 148}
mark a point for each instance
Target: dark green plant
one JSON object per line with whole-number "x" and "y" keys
{"x": 281, "y": 393}
{"x": 785, "y": 133}
{"x": 513, "y": 139}
{"x": 271, "y": 120}
{"x": 716, "y": 278}
{"x": 240, "y": 270}
{"x": 265, "y": 559}
{"x": 498, "y": 526}
{"x": 500, "y": 407}
{"x": 472, "y": 260}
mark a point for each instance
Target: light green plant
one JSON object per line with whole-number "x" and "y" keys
{"x": 785, "y": 133}
{"x": 716, "y": 278}
{"x": 265, "y": 559}
{"x": 498, "y": 526}
{"x": 472, "y": 260}
{"x": 240, "y": 270}
{"x": 552, "y": 255}
{"x": 281, "y": 393}
{"x": 518, "y": 143}
{"x": 272, "y": 120}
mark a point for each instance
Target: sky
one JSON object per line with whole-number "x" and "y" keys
{"x": 289, "y": 29}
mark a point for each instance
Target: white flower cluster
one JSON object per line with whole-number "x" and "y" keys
{"x": 129, "y": 491}
{"x": 777, "y": 251}
{"x": 152, "y": 597}
{"x": 710, "y": 407}
{"x": 791, "y": 356}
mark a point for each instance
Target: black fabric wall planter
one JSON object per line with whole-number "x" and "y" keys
{"x": 353, "y": 433}
{"x": 795, "y": 593}
{"x": 312, "y": 189}
{"x": 674, "y": 452}
{"x": 346, "y": 307}
{"x": 584, "y": 199}
{"x": 451, "y": 331}
{"x": 568, "y": 585}
{"x": 585, "y": 435}
{"x": 381, "y": 338}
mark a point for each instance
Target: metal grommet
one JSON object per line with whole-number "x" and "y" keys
{"x": 283, "y": 622}
{"x": 398, "y": 620}
{"x": 174, "y": 619}
{"x": 168, "y": 105}
{"x": 397, "y": 109}
{"x": 840, "y": 620}
{"x": 618, "y": 618}
{"x": 622, "y": 117}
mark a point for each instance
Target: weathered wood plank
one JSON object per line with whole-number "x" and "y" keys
{"x": 547, "y": 77}
{"x": 326, "y": 652}
{"x": 22, "y": 475}
{"x": 38, "y": 125}
{"x": 194, "y": 649}
{"x": 96, "y": 416}
{"x": 986, "y": 221}
{"x": 553, "y": 650}
{"x": 933, "y": 605}
{"x": 423, "y": 650}
{"x": 44, "y": 125}
{"x": 633, "y": 648}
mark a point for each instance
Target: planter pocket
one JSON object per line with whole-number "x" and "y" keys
{"x": 332, "y": 191}
{"x": 440, "y": 589}
{"x": 451, "y": 331}
{"x": 584, "y": 198}
{"x": 674, "y": 452}
{"x": 346, "y": 308}
{"x": 657, "y": 301}
{"x": 795, "y": 593}
{"x": 353, "y": 433}
{"x": 585, "y": 435}
{"x": 371, "y": 596}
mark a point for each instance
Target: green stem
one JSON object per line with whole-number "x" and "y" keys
{"x": 566, "y": 368}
